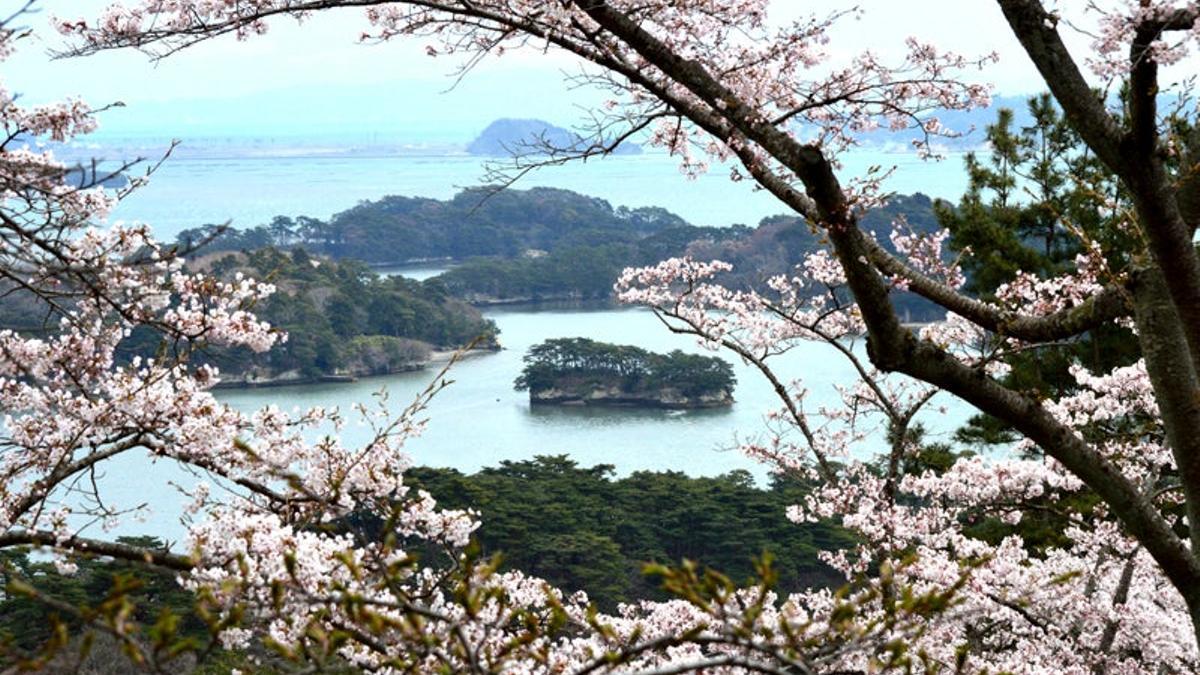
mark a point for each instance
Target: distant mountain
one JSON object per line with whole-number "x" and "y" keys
{"x": 507, "y": 136}
{"x": 968, "y": 124}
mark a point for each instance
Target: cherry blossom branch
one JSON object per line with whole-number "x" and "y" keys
{"x": 540, "y": 153}
{"x": 1133, "y": 156}
{"x": 1120, "y": 597}
{"x": 710, "y": 69}
{"x": 1099, "y": 309}
{"x": 893, "y": 347}
{"x": 1037, "y": 31}
{"x": 781, "y": 392}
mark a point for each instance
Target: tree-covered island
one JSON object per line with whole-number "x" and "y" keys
{"x": 342, "y": 320}
{"x": 579, "y": 371}
{"x": 552, "y": 245}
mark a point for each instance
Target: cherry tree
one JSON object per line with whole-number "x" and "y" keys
{"x": 1053, "y": 608}
{"x": 297, "y": 542}
{"x": 715, "y": 81}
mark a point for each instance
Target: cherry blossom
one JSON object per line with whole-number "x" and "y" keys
{"x": 1086, "y": 591}
{"x": 709, "y": 81}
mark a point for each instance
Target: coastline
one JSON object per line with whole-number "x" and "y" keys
{"x": 437, "y": 357}
{"x": 602, "y": 397}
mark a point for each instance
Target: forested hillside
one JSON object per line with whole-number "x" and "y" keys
{"x": 579, "y": 371}
{"x": 582, "y": 528}
{"x": 581, "y": 272}
{"x": 543, "y": 244}
{"x": 476, "y": 222}
{"x": 341, "y": 319}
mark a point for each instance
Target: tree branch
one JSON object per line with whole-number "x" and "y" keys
{"x": 1104, "y": 307}
{"x": 1036, "y": 29}
{"x": 83, "y": 545}
{"x": 1174, "y": 380}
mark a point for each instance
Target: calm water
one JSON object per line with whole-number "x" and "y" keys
{"x": 480, "y": 421}
{"x": 415, "y": 272}
{"x": 249, "y": 191}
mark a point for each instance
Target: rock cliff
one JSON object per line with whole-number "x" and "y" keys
{"x": 595, "y": 393}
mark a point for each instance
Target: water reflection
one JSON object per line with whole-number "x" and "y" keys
{"x": 414, "y": 272}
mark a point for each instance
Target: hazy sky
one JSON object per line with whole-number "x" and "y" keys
{"x": 316, "y": 78}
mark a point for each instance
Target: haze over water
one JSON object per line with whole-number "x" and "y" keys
{"x": 248, "y": 189}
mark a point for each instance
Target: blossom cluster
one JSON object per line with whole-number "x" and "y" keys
{"x": 292, "y": 534}
{"x": 1089, "y": 599}
{"x": 1096, "y": 601}
{"x": 1119, "y": 26}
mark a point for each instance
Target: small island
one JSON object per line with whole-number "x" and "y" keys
{"x": 505, "y": 137}
{"x": 579, "y": 371}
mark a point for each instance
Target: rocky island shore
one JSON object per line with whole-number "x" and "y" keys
{"x": 422, "y": 357}
{"x": 599, "y": 393}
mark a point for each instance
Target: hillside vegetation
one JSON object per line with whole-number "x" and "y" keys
{"x": 341, "y": 319}
{"x": 583, "y": 371}
{"x": 547, "y": 244}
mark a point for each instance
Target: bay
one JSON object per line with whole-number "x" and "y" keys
{"x": 479, "y": 420}
{"x": 250, "y": 190}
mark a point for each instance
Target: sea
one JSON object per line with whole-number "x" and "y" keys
{"x": 479, "y": 420}
{"x": 245, "y": 186}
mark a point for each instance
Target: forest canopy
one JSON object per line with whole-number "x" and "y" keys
{"x": 542, "y": 244}
{"x": 566, "y": 361}
{"x": 482, "y": 221}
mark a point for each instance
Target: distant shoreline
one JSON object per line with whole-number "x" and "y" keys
{"x": 414, "y": 263}
{"x": 436, "y": 358}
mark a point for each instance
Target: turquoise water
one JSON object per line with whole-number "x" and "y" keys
{"x": 480, "y": 420}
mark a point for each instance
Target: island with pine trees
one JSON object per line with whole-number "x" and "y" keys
{"x": 579, "y": 371}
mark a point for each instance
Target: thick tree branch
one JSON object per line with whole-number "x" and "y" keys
{"x": 1170, "y": 239}
{"x": 806, "y": 160}
{"x": 704, "y": 98}
{"x": 86, "y": 546}
{"x": 1174, "y": 379}
{"x": 1035, "y": 28}
{"x": 892, "y": 347}
{"x": 1187, "y": 192}
{"x": 1134, "y": 156}
{"x": 1120, "y": 597}
{"x": 1181, "y": 19}
{"x": 1104, "y": 307}
{"x": 1143, "y": 90}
